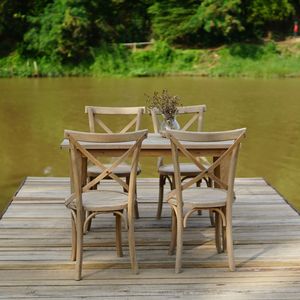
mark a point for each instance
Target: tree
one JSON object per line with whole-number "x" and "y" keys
{"x": 68, "y": 29}
{"x": 220, "y": 18}
{"x": 13, "y": 21}
{"x": 262, "y": 16}
{"x": 59, "y": 32}
{"x": 198, "y": 22}
{"x": 169, "y": 18}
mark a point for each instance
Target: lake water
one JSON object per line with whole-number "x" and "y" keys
{"x": 34, "y": 113}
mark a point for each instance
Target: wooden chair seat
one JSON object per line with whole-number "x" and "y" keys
{"x": 186, "y": 169}
{"x": 200, "y": 198}
{"x": 123, "y": 170}
{"x": 105, "y": 201}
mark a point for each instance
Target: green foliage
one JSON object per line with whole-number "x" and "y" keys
{"x": 169, "y": 18}
{"x": 67, "y": 37}
{"x": 261, "y": 11}
{"x": 152, "y": 62}
{"x": 253, "y": 61}
{"x": 159, "y": 60}
{"x": 247, "y": 60}
{"x": 66, "y": 29}
{"x": 16, "y": 65}
{"x": 111, "y": 60}
{"x": 60, "y": 32}
{"x": 13, "y": 22}
{"x": 217, "y": 17}
{"x": 252, "y": 51}
{"x": 196, "y": 22}
{"x": 209, "y": 22}
{"x": 264, "y": 16}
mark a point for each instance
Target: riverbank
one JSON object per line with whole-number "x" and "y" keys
{"x": 265, "y": 60}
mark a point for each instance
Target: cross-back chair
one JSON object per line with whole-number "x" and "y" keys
{"x": 192, "y": 199}
{"x": 166, "y": 171}
{"x": 96, "y": 115}
{"x": 96, "y": 202}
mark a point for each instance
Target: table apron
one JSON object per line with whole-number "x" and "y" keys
{"x": 156, "y": 152}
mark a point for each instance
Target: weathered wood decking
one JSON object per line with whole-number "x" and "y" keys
{"x": 35, "y": 250}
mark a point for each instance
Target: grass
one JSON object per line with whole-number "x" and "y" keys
{"x": 237, "y": 60}
{"x": 161, "y": 59}
{"x": 266, "y": 60}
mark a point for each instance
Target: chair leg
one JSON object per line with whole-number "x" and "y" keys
{"x": 74, "y": 242}
{"x": 162, "y": 181}
{"x": 179, "y": 233}
{"x": 218, "y": 233}
{"x": 136, "y": 206}
{"x": 198, "y": 184}
{"x": 119, "y": 235}
{"x": 224, "y": 234}
{"x": 179, "y": 242}
{"x": 172, "y": 184}
{"x": 211, "y": 215}
{"x": 79, "y": 246}
{"x": 229, "y": 243}
{"x": 88, "y": 227}
{"x": 212, "y": 218}
{"x": 208, "y": 181}
{"x": 131, "y": 244}
{"x": 173, "y": 233}
{"x": 136, "y": 209}
{"x": 94, "y": 187}
{"x": 90, "y": 178}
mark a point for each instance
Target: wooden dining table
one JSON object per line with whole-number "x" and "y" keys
{"x": 156, "y": 145}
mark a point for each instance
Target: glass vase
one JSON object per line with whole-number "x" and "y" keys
{"x": 170, "y": 123}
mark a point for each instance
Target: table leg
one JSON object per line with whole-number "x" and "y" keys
{"x": 221, "y": 171}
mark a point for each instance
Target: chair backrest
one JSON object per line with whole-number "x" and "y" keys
{"x": 230, "y": 155}
{"x": 95, "y": 113}
{"x": 79, "y": 152}
{"x": 196, "y": 112}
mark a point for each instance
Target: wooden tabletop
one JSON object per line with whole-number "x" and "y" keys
{"x": 152, "y": 142}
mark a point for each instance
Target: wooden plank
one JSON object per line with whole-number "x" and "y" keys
{"x": 210, "y": 274}
{"x": 183, "y": 291}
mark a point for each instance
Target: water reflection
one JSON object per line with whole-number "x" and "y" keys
{"x": 34, "y": 113}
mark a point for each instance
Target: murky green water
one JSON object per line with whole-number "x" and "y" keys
{"x": 34, "y": 113}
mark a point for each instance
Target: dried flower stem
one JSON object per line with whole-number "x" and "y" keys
{"x": 166, "y": 104}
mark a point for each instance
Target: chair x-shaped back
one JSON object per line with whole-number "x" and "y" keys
{"x": 107, "y": 171}
{"x": 96, "y": 112}
{"x": 196, "y": 113}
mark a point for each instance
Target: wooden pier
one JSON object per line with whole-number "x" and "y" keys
{"x": 35, "y": 249}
